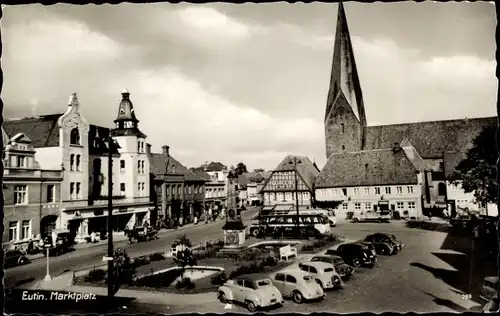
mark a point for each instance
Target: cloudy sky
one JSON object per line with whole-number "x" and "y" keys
{"x": 247, "y": 82}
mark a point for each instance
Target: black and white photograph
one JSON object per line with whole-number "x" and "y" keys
{"x": 245, "y": 158}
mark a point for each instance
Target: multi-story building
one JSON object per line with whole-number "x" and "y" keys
{"x": 250, "y": 187}
{"x": 281, "y": 187}
{"x": 440, "y": 144}
{"x": 69, "y": 142}
{"x": 177, "y": 192}
{"x": 215, "y": 174}
{"x": 32, "y": 195}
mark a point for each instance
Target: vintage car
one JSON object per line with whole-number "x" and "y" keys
{"x": 489, "y": 287}
{"x": 381, "y": 247}
{"x": 298, "y": 285}
{"x": 354, "y": 254}
{"x": 324, "y": 273}
{"x": 252, "y": 290}
{"x": 344, "y": 270}
{"x": 14, "y": 258}
{"x": 492, "y": 306}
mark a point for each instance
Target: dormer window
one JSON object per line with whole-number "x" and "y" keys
{"x": 21, "y": 161}
{"x": 75, "y": 136}
{"x": 342, "y": 128}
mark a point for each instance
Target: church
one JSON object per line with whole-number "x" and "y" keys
{"x": 400, "y": 167}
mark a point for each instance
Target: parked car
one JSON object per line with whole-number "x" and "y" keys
{"x": 324, "y": 273}
{"x": 492, "y": 306}
{"x": 354, "y": 254}
{"x": 252, "y": 290}
{"x": 344, "y": 270}
{"x": 383, "y": 245}
{"x": 387, "y": 239}
{"x": 14, "y": 258}
{"x": 369, "y": 245}
{"x": 489, "y": 287}
{"x": 298, "y": 285}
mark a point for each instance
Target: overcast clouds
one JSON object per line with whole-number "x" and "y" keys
{"x": 247, "y": 82}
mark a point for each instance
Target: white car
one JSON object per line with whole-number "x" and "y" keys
{"x": 324, "y": 273}
{"x": 298, "y": 285}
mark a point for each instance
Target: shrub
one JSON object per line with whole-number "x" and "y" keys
{"x": 270, "y": 261}
{"x": 350, "y": 215}
{"x": 95, "y": 275}
{"x": 158, "y": 256}
{"x": 185, "y": 284}
{"x": 307, "y": 247}
{"x": 396, "y": 215}
{"x": 141, "y": 261}
{"x": 219, "y": 278}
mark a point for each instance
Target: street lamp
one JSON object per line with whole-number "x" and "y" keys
{"x": 47, "y": 276}
{"x": 294, "y": 162}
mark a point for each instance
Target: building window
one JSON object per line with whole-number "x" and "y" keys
{"x": 411, "y": 205}
{"x": 367, "y": 191}
{"x": 50, "y": 193}
{"x": 139, "y": 146}
{"x": 122, "y": 188}
{"x": 400, "y": 205}
{"x": 399, "y": 190}
{"x": 21, "y": 194}
{"x": 169, "y": 190}
{"x": 441, "y": 189}
{"x": 122, "y": 165}
{"x": 138, "y": 166}
{"x": 143, "y": 186}
{"x": 179, "y": 190}
{"x": 410, "y": 189}
{"x": 343, "y": 147}
{"x": 377, "y": 190}
{"x": 189, "y": 189}
{"x": 142, "y": 167}
{"x": 441, "y": 166}
{"x": 26, "y": 228}
{"x": 387, "y": 190}
{"x": 21, "y": 161}
{"x": 345, "y": 206}
{"x": 357, "y": 206}
{"x": 368, "y": 206}
{"x": 72, "y": 162}
{"x": 72, "y": 191}
{"x": 78, "y": 190}
{"x": 173, "y": 168}
{"x": 75, "y": 136}
{"x": 139, "y": 192}
{"x": 356, "y": 191}
{"x": 342, "y": 128}
{"x": 78, "y": 162}
{"x": 13, "y": 231}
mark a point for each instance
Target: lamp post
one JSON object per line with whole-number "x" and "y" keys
{"x": 47, "y": 276}
{"x": 294, "y": 162}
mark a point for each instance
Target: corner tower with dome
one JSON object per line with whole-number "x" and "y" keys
{"x": 134, "y": 165}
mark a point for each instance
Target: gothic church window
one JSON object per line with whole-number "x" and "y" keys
{"x": 342, "y": 128}
{"x": 75, "y": 136}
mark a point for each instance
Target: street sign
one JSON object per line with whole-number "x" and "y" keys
{"x": 107, "y": 258}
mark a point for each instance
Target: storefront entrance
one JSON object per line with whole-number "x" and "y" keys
{"x": 47, "y": 224}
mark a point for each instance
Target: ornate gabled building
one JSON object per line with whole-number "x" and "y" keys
{"x": 68, "y": 142}
{"x": 441, "y": 144}
{"x": 280, "y": 187}
{"x": 176, "y": 191}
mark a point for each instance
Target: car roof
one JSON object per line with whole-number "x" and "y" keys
{"x": 493, "y": 279}
{"x": 294, "y": 272}
{"x": 318, "y": 264}
{"x": 328, "y": 256}
{"x": 252, "y": 277}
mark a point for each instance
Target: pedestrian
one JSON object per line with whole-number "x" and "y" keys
{"x": 195, "y": 219}
{"x": 210, "y": 214}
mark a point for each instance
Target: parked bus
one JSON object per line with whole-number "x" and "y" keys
{"x": 286, "y": 225}
{"x": 330, "y": 215}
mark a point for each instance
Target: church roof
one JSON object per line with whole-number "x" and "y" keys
{"x": 367, "y": 168}
{"x": 42, "y": 130}
{"x": 126, "y": 108}
{"x": 162, "y": 165}
{"x": 431, "y": 138}
{"x": 215, "y": 166}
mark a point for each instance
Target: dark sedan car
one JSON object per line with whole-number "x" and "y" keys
{"x": 386, "y": 239}
{"x": 14, "y": 258}
{"x": 355, "y": 254}
{"x": 343, "y": 269}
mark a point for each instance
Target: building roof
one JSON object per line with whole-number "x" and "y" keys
{"x": 162, "y": 164}
{"x": 98, "y": 141}
{"x": 256, "y": 177}
{"x": 367, "y": 168}
{"x": 215, "y": 166}
{"x": 430, "y": 139}
{"x": 305, "y": 168}
{"x": 200, "y": 173}
{"x": 42, "y": 130}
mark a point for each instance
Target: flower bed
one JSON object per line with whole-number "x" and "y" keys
{"x": 321, "y": 244}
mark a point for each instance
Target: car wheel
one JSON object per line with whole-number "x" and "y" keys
{"x": 255, "y": 232}
{"x": 356, "y": 262}
{"x": 355, "y": 220}
{"x": 337, "y": 282}
{"x": 384, "y": 251}
{"x": 297, "y": 297}
{"x": 251, "y": 307}
{"x": 222, "y": 298}
{"x": 24, "y": 260}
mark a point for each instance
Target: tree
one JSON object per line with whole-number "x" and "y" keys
{"x": 477, "y": 172}
{"x": 241, "y": 168}
{"x": 184, "y": 254}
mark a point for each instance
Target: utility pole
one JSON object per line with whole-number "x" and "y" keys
{"x": 110, "y": 218}
{"x": 294, "y": 162}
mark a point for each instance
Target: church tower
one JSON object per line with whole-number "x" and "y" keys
{"x": 345, "y": 120}
{"x": 133, "y": 169}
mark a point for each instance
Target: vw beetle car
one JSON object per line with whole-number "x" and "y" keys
{"x": 383, "y": 242}
{"x": 299, "y": 285}
{"x": 344, "y": 270}
{"x": 252, "y": 290}
{"x": 14, "y": 258}
{"x": 324, "y": 273}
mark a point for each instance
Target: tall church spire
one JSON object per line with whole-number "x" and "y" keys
{"x": 344, "y": 77}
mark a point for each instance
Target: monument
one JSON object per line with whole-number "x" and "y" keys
{"x": 234, "y": 229}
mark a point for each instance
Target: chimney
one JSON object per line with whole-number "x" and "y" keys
{"x": 165, "y": 150}
{"x": 148, "y": 149}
